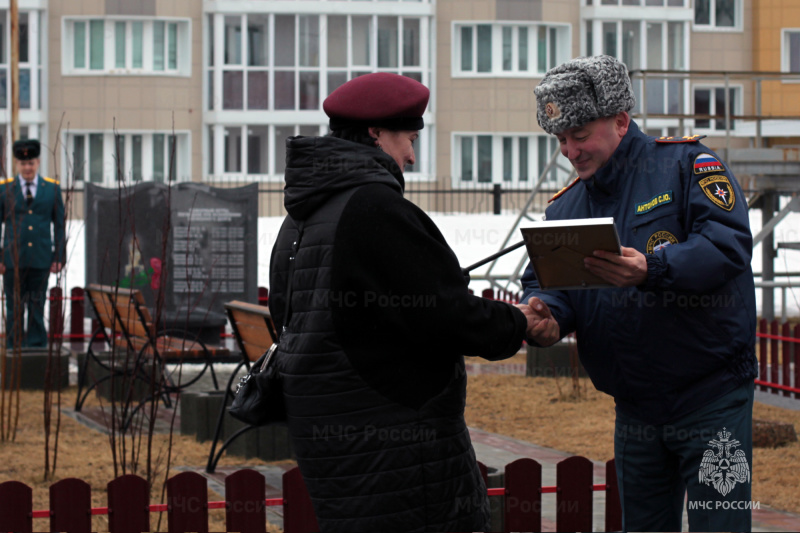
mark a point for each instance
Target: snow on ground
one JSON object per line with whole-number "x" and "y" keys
{"x": 474, "y": 237}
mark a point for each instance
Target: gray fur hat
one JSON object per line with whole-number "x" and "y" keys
{"x": 582, "y": 90}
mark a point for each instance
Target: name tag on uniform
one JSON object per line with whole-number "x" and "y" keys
{"x": 655, "y": 201}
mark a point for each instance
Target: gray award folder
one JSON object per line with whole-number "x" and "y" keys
{"x": 557, "y": 249}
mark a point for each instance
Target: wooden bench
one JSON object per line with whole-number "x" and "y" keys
{"x": 118, "y": 362}
{"x": 254, "y": 332}
{"x": 127, "y": 327}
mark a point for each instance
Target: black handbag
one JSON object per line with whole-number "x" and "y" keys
{"x": 259, "y": 395}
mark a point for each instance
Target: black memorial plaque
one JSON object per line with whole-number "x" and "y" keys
{"x": 214, "y": 246}
{"x": 194, "y": 244}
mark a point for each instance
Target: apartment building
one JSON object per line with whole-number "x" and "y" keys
{"x": 119, "y": 90}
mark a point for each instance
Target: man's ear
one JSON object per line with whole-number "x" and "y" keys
{"x": 621, "y": 121}
{"x": 374, "y": 132}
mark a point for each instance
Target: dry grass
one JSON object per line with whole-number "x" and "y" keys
{"x": 532, "y": 409}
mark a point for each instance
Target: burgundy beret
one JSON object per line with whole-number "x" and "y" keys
{"x": 379, "y": 99}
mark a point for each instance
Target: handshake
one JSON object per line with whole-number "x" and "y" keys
{"x": 542, "y": 327}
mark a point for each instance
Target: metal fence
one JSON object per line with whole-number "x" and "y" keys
{"x": 432, "y": 197}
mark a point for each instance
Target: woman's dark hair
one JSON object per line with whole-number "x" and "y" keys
{"x": 358, "y": 134}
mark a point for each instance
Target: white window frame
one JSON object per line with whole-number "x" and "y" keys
{"x": 563, "y": 51}
{"x": 217, "y": 119}
{"x": 497, "y": 172}
{"x": 597, "y": 3}
{"x": 737, "y": 108}
{"x": 216, "y": 71}
{"x": 215, "y": 150}
{"x": 37, "y": 76}
{"x": 786, "y": 52}
{"x": 738, "y": 13}
{"x": 183, "y": 47}
{"x": 182, "y": 156}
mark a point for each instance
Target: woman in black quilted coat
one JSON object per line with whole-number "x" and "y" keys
{"x": 380, "y": 318}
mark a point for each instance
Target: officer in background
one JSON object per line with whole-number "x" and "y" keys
{"x": 32, "y": 212}
{"x": 673, "y": 341}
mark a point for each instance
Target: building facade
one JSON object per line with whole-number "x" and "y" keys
{"x": 183, "y": 90}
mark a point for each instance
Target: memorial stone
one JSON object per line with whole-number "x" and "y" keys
{"x": 189, "y": 248}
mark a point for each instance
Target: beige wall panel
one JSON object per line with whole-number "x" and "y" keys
{"x": 128, "y": 7}
{"x": 81, "y": 7}
{"x": 518, "y": 10}
{"x": 447, "y": 10}
{"x": 483, "y": 10}
{"x": 561, "y": 10}
{"x": 770, "y": 18}
{"x": 721, "y": 51}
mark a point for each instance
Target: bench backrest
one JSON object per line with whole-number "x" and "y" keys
{"x": 98, "y": 299}
{"x": 132, "y": 312}
{"x": 122, "y": 311}
{"x": 252, "y": 326}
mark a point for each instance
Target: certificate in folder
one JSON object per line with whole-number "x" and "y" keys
{"x": 557, "y": 249}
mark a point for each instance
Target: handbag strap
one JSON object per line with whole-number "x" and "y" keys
{"x": 287, "y": 314}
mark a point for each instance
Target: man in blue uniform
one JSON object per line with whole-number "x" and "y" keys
{"x": 32, "y": 211}
{"x": 673, "y": 341}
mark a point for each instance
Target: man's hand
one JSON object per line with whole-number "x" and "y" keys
{"x": 542, "y": 327}
{"x": 626, "y": 270}
{"x": 55, "y": 268}
{"x": 2, "y": 268}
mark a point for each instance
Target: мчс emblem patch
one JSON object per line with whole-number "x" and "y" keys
{"x": 705, "y": 163}
{"x": 659, "y": 240}
{"x": 719, "y": 190}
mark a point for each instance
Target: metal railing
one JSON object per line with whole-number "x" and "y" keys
{"x": 727, "y": 116}
{"x": 433, "y": 197}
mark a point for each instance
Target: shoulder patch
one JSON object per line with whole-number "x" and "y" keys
{"x": 718, "y": 189}
{"x": 705, "y": 163}
{"x": 684, "y": 139}
{"x": 6, "y": 181}
{"x": 50, "y": 180}
{"x": 565, "y": 189}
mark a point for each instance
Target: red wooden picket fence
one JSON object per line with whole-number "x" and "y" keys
{"x": 778, "y": 362}
{"x": 245, "y": 503}
{"x": 512, "y": 297}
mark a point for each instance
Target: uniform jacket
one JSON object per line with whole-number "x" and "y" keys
{"x": 34, "y": 234}
{"x": 372, "y": 353}
{"x": 687, "y": 335}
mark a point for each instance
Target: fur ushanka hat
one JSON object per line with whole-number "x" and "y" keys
{"x": 582, "y": 90}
